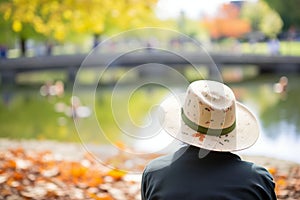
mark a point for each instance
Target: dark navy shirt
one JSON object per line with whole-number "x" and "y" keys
{"x": 218, "y": 175}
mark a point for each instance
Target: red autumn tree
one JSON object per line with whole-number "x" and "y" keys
{"x": 226, "y": 23}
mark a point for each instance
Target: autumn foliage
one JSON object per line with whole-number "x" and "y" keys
{"x": 41, "y": 175}
{"x": 287, "y": 182}
{"x": 226, "y": 23}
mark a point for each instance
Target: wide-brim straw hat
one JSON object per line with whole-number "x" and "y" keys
{"x": 210, "y": 118}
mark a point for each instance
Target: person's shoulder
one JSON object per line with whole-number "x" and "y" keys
{"x": 259, "y": 172}
{"x": 258, "y": 169}
{"x": 165, "y": 161}
{"x": 159, "y": 163}
{"x": 263, "y": 179}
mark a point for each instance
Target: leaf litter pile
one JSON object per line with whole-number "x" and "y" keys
{"x": 41, "y": 175}
{"x": 287, "y": 182}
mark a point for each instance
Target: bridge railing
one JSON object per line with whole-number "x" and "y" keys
{"x": 71, "y": 63}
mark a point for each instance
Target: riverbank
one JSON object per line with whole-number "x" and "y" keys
{"x": 75, "y": 152}
{"x": 60, "y": 170}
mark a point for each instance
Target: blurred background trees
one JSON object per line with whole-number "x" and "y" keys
{"x": 226, "y": 23}
{"x": 288, "y": 11}
{"x": 57, "y": 22}
{"x": 262, "y": 18}
{"x": 67, "y": 20}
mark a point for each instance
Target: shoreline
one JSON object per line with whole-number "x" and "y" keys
{"x": 76, "y": 151}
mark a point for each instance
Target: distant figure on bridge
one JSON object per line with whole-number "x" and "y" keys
{"x": 274, "y": 46}
{"x": 3, "y": 51}
{"x": 212, "y": 125}
{"x": 49, "y": 48}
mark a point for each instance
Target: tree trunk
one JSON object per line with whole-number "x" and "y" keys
{"x": 23, "y": 46}
{"x": 96, "y": 40}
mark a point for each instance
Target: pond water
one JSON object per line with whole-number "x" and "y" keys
{"x": 26, "y": 114}
{"x": 278, "y": 114}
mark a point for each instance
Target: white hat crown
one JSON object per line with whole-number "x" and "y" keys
{"x": 210, "y": 118}
{"x": 210, "y": 105}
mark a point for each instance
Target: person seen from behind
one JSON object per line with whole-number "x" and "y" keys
{"x": 212, "y": 125}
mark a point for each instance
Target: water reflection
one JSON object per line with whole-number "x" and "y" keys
{"x": 278, "y": 113}
{"x": 284, "y": 146}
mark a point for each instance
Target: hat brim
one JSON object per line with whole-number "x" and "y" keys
{"x": 243, "y": 136}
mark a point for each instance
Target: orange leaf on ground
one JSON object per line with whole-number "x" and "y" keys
{"x": 116, "y": 174}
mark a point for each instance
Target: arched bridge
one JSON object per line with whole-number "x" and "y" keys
{"x": 71, "y": 63}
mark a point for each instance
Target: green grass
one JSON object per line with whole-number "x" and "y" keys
{"x": 286, "y": 48}
{"x": 290, "y": 48}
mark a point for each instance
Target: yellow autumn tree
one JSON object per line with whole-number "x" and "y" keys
{"x": 262, "y": 18}
{"x": 100, "y": 17}
{"x": 60, "y": 20}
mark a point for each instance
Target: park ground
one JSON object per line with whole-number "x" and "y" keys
{"x": 32, "y": 169}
